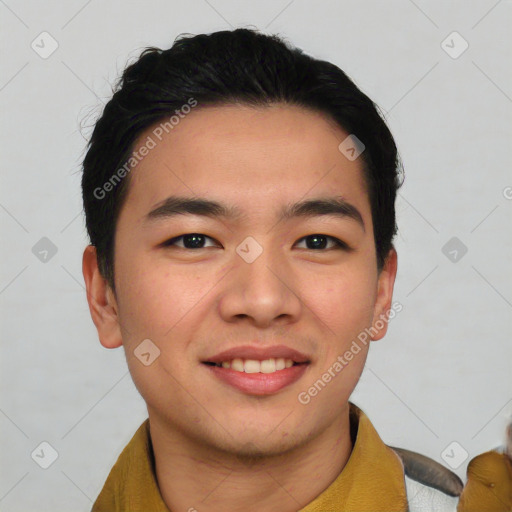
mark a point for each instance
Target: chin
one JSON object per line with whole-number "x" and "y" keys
{"x": 256, "y": 442}
{"x": 258, "y": 449}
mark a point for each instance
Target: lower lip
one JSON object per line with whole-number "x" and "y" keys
{"x": 259, "y": 383}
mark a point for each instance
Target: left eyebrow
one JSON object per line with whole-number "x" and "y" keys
{"x": 323, "y": 206}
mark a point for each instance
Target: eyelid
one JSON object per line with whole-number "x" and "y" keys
{"x": 171, "y": 242}
{"x": 338, "y": 244}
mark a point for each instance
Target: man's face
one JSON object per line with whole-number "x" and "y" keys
{"x": 252, "y": 281}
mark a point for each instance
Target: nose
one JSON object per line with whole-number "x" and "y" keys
{"x": 260, "y": 292}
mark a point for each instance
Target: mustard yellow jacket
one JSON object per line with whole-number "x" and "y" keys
{"x": 375, "y": 478}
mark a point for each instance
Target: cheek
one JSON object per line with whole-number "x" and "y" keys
{"x": 161, "y": 305}
{"x": 343, "y": 304}
{"x": 343, "y": 301}
{"x": 156, "y": 297}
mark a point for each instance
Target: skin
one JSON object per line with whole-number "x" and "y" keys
{"x": 217, "y": 448}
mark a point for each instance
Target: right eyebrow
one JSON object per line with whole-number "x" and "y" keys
{"x": 177, "y": 205}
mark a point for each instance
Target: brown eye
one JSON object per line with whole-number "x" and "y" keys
{"x": 188, "y": 241}
{"x": 319, "y": 242}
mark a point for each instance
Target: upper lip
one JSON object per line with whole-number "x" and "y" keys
{"x": 259, "y": 353}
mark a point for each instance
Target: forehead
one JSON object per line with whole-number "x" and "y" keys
{"x": 245, "y": 155}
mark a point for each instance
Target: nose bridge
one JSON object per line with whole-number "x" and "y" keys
{"x": 260, "y": 284}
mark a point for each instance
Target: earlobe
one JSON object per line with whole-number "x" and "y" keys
{"x": 386, "y": 282}
{"x": 101, "y": 300}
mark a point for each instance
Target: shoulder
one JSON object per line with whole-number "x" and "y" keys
{"x": 430, "y": 486}
{"x": 131, "y": 482}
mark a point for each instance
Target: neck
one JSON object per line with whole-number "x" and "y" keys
{"x": 193, "y": 477}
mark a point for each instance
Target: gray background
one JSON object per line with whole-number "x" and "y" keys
{"x": 443, "y": 372}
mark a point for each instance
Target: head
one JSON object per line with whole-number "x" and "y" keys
{"x": 225, "y": 209}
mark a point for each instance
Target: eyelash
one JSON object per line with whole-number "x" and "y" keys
{"x": 339, "y": 244}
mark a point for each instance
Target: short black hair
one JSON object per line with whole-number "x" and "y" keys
{"x": 241, "y": 66}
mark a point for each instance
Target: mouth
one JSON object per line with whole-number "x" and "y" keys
{"x": 271, "y": 365}
{"x": 258, "y": 372}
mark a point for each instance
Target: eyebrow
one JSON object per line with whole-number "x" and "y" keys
{"x": 322, "y": 206}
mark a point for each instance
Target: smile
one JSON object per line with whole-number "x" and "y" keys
{"x": 255, "y": 366}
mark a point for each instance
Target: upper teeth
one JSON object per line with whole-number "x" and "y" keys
{"x": 254, "y": 366}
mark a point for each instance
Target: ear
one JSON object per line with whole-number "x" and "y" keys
{"x": 101, "y": 300}
{"x": 385, "y": 284}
